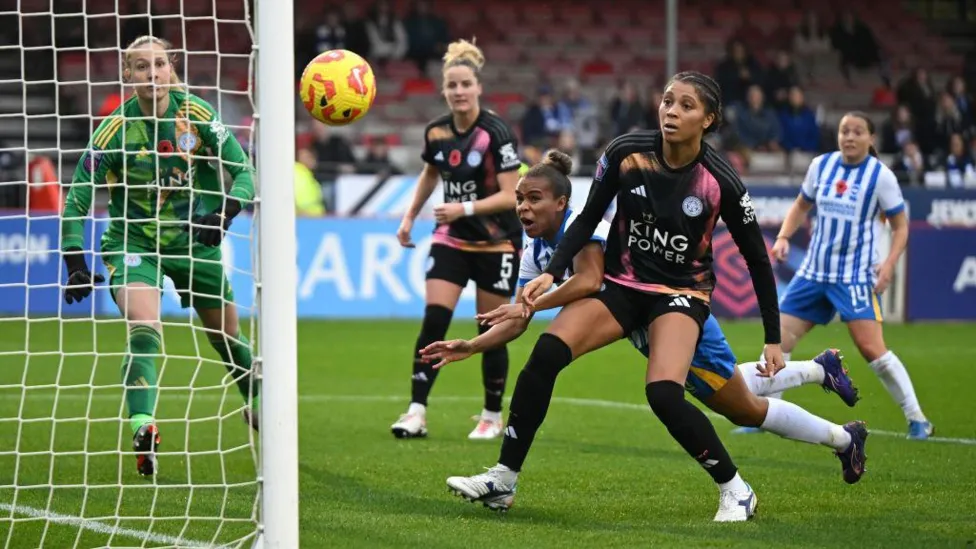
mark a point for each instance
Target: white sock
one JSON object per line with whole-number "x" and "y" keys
{"x": 491, "y": 416}
{"x": 790, "y": 421}
{"x": 506, "y": 474}
{"x": 417, "y": 409}
{"x": 895, "y": 378}
{"x": 736, "y": 485}
{"x": 796, "y": 373}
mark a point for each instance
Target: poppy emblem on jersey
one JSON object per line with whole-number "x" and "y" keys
{"x": 692, "y": 206}
{"x": 165, "y": 146}
{"x": 454, "y": 159}
{"x": 186, "y": 141}
{"x": 474, "y": 159}
{"x": 841, "y": 187}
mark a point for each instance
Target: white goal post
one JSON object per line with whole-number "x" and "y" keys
{"x": 68, "y": 432}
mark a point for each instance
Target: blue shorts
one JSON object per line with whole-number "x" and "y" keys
{"x": 818, "y": 302}
{"x": 713, "y": 364}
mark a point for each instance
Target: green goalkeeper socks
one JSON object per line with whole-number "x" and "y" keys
{"x": 139, "y": 375}
{"x": 236, "y": 354}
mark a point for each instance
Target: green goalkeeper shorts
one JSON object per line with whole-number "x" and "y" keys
{"x": 199, "y": 278}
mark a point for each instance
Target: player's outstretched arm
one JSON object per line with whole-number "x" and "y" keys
{"x": 426, "y": 184}
{"x": 586, "y": 279}
{"x": 445, "y": 352}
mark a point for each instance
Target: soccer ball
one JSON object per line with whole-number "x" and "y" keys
{"x": 338, "y": 87}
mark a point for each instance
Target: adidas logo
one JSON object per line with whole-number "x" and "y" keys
{"x": 680, "y": 301}
{"x": 510, "y": 432}
{"x": 639, "y": 191}
{"x": 439, "y": 156}
{"x": 502, "y": 285}
{"x": 420, "y": 376}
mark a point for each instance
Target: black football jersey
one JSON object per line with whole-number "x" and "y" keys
{"x": 662, "y": 220}
{"x": 469, "y": 163}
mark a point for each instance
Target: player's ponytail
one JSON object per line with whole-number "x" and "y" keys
{"x": 555, "y": 167}
{"x": 462, "y": 52}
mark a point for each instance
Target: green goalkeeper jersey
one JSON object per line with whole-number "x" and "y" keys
{"x": 159, "y": 172}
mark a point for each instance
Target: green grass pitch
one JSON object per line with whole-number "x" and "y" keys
{"x": 603, "y": 471}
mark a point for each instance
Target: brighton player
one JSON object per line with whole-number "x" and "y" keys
{"x": 477, "y": 236}
{"x": 841, "y": 272}
{"x": 542, "y": 197}
{"x": 168, "y": 213}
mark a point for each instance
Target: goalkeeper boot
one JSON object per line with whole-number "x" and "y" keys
{"x": 250, "y": 416}
{"x": 836, "y": 379}
{"x": 145, "y": 443}
{"x": 495, "y": 488}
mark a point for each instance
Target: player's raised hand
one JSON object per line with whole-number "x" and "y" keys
{"x": 536, "y": 289}
{"x": 508, "y": 311}
{"x": 446, "y": 352}
{"x": 403, "y": 233}
{"x": 81, "y": 283}
{"x": 781, "y": 248}
{"x": 773, "y": 354}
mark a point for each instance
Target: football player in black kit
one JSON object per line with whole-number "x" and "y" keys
{"x": 478, "y": 236}
{"x": 663, "y": 192}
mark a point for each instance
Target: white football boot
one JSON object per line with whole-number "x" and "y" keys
{"x": 736, "y": 505}
{"x": 495, "y": 488}
{"x": 412, "y": 424}
{"x": 490, "y": 426}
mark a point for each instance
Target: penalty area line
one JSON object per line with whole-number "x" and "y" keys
{"x": 99, "y": 527}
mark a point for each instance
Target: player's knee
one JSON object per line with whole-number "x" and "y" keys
{"x": 549, "y": 356}
{"x": 437, "y": 319}
{"x": 748, "y": 413}
{"x": 870, "y": 347}
{"x": 665, "y": 397}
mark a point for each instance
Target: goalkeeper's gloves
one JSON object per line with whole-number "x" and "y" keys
{"x": 80, "y": 280}
{"x": 209, "y": 229}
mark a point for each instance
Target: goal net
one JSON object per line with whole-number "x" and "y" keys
{"x": 71, "y": 375}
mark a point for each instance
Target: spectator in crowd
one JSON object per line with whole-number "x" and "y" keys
{"x": 387, "y": 37}
{"x": 780, "y": 78}
{"x": 948, "y": 121}
{"x": 357, "y": 38}
{"x": 377, "y": 159}
{"x": 736, "y": 72}
{"x": 897, "y": 130}
{"x": 756, "y": 124}
{"x": 652, "y": 119}
{"x": 44, "y": 188}
{"x": 856, "y": 44}
{"x": 545, "y": 119}
{"x": 308, "y": 191}
{"x": 959, "y": 164}
{"x": 916, "y": 91}
{"x": 798, "y": 123}
{"x": 583, "y": 114}
{"x": 911, "y": 165}
{"x": 331, "y": 34}
{"x": 626, "y": 111}
{"x": 333, "y": 152}
{"x": 427, "y": 35}
{"x": 810, "y": 42}
{"x": 964, "y": 102}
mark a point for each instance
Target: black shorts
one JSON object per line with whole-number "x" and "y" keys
{"x": 494, "y": 272}
{"x": 633, "y": 309}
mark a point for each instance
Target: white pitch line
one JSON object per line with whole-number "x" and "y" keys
{"x": 100, "y": 527}
{"x": 583, "y": 402}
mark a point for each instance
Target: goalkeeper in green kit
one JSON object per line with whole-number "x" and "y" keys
{"x": 161, "y": 156}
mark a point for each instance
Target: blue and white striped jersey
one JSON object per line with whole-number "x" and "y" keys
{"x": 538, "y": 251}
{"x": 850, "y": 200}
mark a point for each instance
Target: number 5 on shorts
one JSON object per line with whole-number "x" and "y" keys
{"x": 505, "y": 272}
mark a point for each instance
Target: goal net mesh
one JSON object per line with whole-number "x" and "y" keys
{"x": 68, "y": 473}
